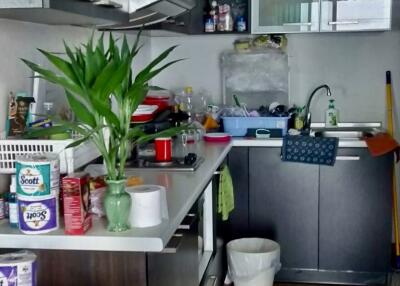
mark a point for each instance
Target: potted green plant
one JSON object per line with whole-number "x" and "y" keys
{"x": 93, "y": 76}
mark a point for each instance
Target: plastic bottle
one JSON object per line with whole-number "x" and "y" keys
{"x": 12, "y": 203}
{"x": 2, "y": 207}
{"x": 331, "y": 115}
{"x": 214, "y": 14}
{"x": 299, "y": 119}
{"x": 208, "y": 19}
{"x": 186, "y": 104}
{"x": 209, "y": 26}
{"x": 241, "y": 25}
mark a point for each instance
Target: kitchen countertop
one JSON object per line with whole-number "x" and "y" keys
{"x": 183, "y": 189}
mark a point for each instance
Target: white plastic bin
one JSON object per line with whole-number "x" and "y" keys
{"x": 253, "y": 261}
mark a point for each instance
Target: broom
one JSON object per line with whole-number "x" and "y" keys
{"x": 390, "y": 129}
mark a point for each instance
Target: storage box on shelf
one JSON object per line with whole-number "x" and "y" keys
{"x": 237, "y": 126}
{"x": 70, "y": 159}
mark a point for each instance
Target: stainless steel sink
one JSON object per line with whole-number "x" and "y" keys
{"x": 347, "y": 132}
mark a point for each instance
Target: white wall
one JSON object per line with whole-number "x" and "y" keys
{"x": 201, "y": 67}
{"x": 20, "y": 40}
{"x": 353, "y": 64}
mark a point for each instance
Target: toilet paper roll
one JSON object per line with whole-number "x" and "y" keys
{"x": 149, "y": 205}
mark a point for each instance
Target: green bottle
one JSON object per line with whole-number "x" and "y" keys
{"x": 331, "y": 115}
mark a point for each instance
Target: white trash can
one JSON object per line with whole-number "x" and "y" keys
{"x": 253, "y": 261}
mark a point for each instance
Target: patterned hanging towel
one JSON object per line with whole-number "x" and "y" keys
{"x": 310, "y": 150}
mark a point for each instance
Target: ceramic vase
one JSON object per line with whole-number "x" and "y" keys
{"x": 117, "y": 204}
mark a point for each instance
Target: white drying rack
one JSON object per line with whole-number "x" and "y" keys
{"x": 70, "y": 159}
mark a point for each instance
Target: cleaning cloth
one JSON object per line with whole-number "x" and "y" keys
{"x": 310, "y": 150}
{"x": 226, "y": 199}
{"x": 381, "y": 144}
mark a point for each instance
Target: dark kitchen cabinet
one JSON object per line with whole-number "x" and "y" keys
{"x": 283, "y": 206}
{"x": 178, "y": 265}
{"x": 355, "y": 212}
{"x": 333, "y": 223}
{"x": 192, "y": 22}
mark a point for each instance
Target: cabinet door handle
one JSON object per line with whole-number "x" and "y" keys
{"x": 349, "y": 22}
{"x": 298, "y": 24}
{"x": 173, "y": 244}
{"x": 348, "y": 158}
{"x": 188, "y": 222}
{"x": 212, "y": 281}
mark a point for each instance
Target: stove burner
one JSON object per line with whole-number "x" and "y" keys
{"x": 176, "y": 164}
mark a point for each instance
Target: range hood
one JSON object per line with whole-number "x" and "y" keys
{"x": 66, "y": 12}
{"x": 149, "y": 12}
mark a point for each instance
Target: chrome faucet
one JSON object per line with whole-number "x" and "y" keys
{"x": 307, "y": 122}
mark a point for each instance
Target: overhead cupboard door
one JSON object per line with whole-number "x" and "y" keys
{"x": 285, "y": 16}
{"x": 355, "y": 15}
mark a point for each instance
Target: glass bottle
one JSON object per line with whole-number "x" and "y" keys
{"x": 13, "y": 204}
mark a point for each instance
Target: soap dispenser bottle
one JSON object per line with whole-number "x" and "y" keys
{"x": 331, "y": 115}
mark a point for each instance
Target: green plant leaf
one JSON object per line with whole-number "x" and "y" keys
{"x": 136, "y": 95}
{"x": 74, "y": 64}
{"x": 136, "y": 132}
{"x": 104, "y": 110}
{"x": 113, "y": 49}
{"x": 110, "y": 78}
{"x": 80, "y": 110}
{"x": 62, "y": 65}
{"x": 154, "y": 63}
{"x": 165, "y": 133}
{"x": 100, "y": 59}
{"x": 42, "y": 132}
{"x": 153, "y": 73}
{"x": 77, "y": 142}
{"x": 100, "y": 43}
{"x": 125, "y": 51}
{"x": 52, "y": 77}
{"x": 135, "y": 48}
{"x": 155, "y": 87}
{"x": 90, "y": 66}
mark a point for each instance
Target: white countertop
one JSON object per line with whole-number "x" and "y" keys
{"x": 183, "y": 189}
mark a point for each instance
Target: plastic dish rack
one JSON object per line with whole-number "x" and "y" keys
{"x": 70, "y": 159}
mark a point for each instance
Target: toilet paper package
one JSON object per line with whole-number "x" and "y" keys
{"x": 18, "y": 269}
{"x": 38, "y": 216}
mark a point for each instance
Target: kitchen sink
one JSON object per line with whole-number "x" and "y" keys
{"x": 347, "y": 132}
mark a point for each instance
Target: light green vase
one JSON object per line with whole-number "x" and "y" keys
{"x": 117, "y": 204}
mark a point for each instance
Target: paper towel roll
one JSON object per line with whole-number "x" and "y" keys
{"x": 149, "y": 205}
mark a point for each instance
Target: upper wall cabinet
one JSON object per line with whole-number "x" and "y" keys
{"x": 285, "y": 16}
{"x": 355, "y": 15}
{"x": 302, "y": 16}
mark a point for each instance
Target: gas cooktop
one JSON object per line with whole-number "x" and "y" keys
{"x": 176, "y": 164}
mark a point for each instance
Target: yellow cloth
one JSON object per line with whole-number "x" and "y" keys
{"x": 226, "y": 199}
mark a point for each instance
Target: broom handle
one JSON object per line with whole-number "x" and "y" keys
{"x": 389, "y": 105}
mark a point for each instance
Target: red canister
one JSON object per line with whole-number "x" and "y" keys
{"x": 163, "y": 147}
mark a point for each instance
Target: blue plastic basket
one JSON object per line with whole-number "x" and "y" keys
{"x": 237, "y": 126}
